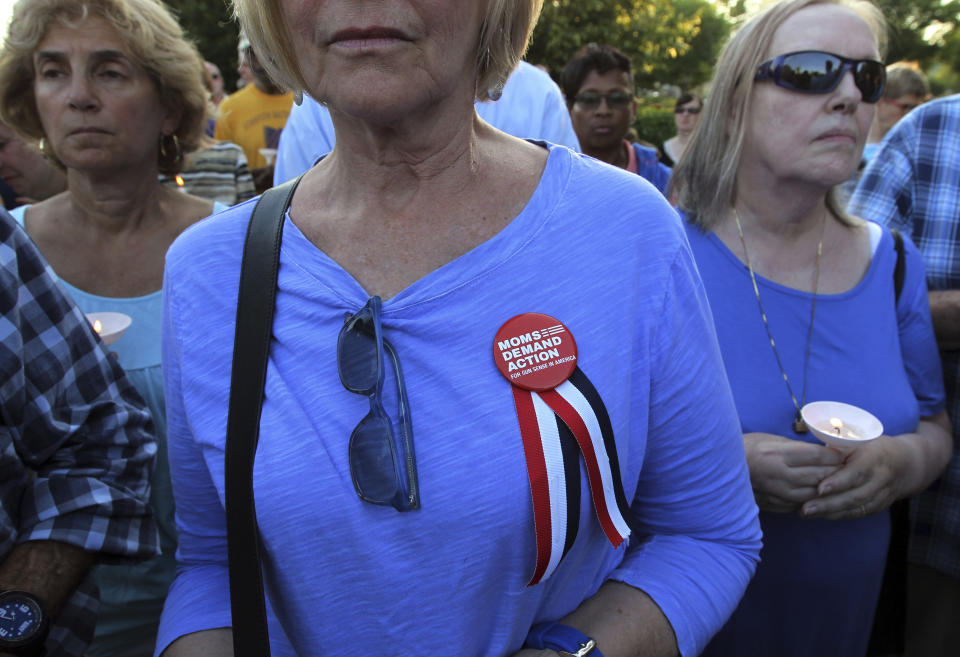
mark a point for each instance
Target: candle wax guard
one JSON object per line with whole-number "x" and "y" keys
{"x": 856, "y": 426}
{"x": 112, "y": 325}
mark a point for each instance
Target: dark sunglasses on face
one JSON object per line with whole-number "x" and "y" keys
{"x": 590, "y": 100}
{"x": 818, "y": 72}
{"x": 687, "y": 110}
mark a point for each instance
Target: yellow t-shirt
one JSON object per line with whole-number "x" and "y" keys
{"x": 253, "y": 120}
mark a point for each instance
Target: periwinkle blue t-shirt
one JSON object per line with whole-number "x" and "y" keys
{"x": 597, "y": 248}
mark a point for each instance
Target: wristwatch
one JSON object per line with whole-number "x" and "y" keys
{"x": 23, "y": 624}
{"x": 567, "y": 641}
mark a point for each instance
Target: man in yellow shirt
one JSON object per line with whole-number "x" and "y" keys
{"x": 253, "y": 118}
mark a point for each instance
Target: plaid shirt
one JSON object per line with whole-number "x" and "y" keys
{"x": 913, "y": 183}
{"x": 76, "y": 441}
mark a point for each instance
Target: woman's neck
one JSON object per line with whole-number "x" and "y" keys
{"x": 115, "y": 200}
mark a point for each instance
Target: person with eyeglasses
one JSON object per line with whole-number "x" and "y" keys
{"x": 686, "y": 111}
{"x": 495, "y": 419}
{"x": 217, "y": 92}
{"x": 598, "y": 85}
{"x": 808, "y": 308}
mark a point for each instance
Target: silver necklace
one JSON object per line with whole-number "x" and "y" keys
{"x": 798, "y": 424}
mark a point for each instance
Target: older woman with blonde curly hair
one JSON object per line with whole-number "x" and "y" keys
{"x": 554, "y": 343}
{"x": 112, "y": 93}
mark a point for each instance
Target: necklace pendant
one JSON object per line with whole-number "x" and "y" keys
{"x": 799, "y": 425}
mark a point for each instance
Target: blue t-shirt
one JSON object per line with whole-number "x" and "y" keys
{"x": 598, "y": 249}
{"x": 816, "y": 588}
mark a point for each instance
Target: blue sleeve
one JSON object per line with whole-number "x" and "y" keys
{"x": 307, "y": 134}
{"x": 199, "y": 598}
{"x": 651, "y": 168}
{"x": 921, "y": 358}
{"x": 77, "y": 442}
{"x": 702, "y": 539}
{"x": 557, "y": 126}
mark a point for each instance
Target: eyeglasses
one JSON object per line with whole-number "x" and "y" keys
{"x": 903, "y": 107}
{"x": 379, "y": 476}
{"x": 590, "y": 100}
{"x": 817, "y": 72}
{"x": 686, "y": 110}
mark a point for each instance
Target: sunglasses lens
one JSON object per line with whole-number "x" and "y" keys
{"x": 589, "y": 100}
{"x": 812, "y": 72}
{"x": 371, "y": 459}
{"x": 357, "y": 359}
{"x": 870, "y": 77}
{"x": 618, "y": 99}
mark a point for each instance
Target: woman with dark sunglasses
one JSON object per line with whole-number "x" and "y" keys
{"x": 491, "y": 363}
{"x": 686, "y": 111}
{"x": 808, "y": 308}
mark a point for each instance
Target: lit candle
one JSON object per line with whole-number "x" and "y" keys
{"x": 837, "y": 424}
{"x": 180, "y": 184}
{"x": 97, "y": 326}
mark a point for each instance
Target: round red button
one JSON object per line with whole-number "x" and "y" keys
{"x": 535, "y": 351}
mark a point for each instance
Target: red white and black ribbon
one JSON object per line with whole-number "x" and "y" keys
{"x": 555, "y": 425}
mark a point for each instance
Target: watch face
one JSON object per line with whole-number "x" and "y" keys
{"x": 19, "y": 618}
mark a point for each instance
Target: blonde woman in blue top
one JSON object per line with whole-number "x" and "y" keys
{"x": 425, "y": 231}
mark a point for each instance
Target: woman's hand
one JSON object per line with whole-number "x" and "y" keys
{"x": 870, "y": 481}
{"x": 881, "y": 471}
{"x": 785, "y": 473}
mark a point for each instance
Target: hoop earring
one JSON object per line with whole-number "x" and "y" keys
{"x": 177, "y": 154}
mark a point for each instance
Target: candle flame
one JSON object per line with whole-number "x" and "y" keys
{"x": 179, "y": 180}
{"x": 97, "y": 326}
{"x": 837, "y": 424}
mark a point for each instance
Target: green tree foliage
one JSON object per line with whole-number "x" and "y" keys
{"x": 671, "y": 41}
{"x": 210, "y": 24}
{"x": 918, "y": 28}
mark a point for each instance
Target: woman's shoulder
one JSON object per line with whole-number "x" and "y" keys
{"x": 217, "y": 238}
{"x": 613, "y": 201}
{"x": 593, "y": 180}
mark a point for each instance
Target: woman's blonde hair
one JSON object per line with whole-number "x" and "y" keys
{"x": 703, "y": 182}
{"x": 150, "y": 34}
{"x": 504, "y": 36}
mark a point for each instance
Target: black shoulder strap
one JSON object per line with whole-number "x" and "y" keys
{"x": 251, "y": 346}
{"x": 901, "y": 267}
